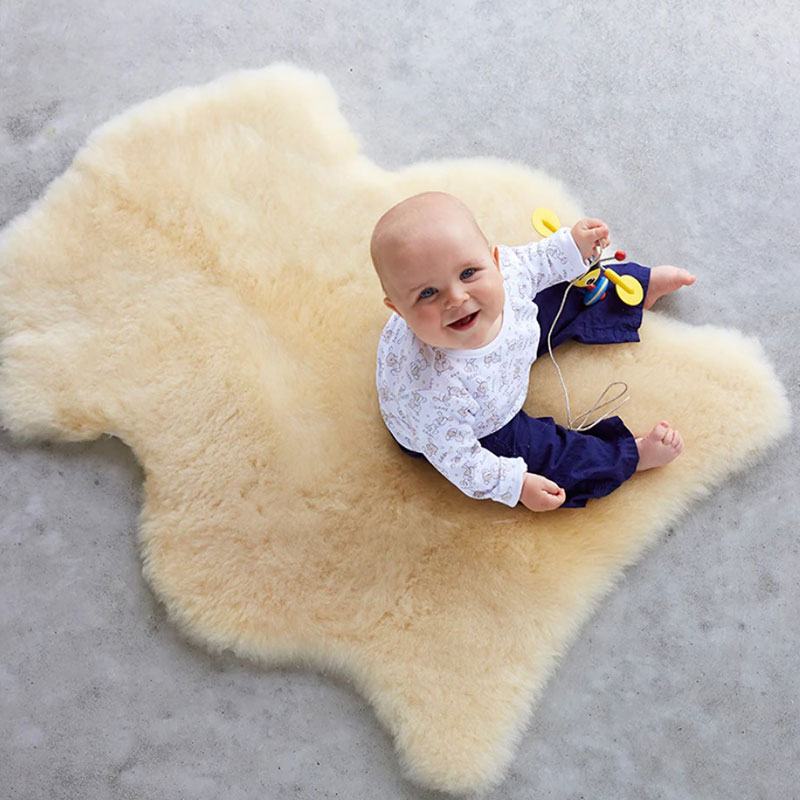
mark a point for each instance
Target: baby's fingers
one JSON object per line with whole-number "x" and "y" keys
{"x": 593, "y": 224}
{"x": 598, "y": 231}
{"x": 553, "y": 501}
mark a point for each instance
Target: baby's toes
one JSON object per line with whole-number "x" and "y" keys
{"x": 661, "y": 430}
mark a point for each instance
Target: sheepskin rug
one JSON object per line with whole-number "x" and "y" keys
{"x": 198, "y": 284}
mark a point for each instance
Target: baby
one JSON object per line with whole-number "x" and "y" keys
{"x": 455, "y": 357}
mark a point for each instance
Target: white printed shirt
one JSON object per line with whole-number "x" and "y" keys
{"x": 440, "y": 401}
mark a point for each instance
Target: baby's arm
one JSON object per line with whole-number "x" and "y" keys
{"x": 537, "y": 493}
{"x": 540, "y": 493}
{"x": 549, "y": 261}
{"x": 428, "y": 422}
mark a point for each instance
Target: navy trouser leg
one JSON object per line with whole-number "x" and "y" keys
{"x": 608, "y": 322}
{"x": 586, "y": 465}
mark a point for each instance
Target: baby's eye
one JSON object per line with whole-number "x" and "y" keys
{"x": 426, "y": 293}
{"x": 467, "y": 273}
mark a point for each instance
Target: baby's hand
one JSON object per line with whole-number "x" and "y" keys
{"x": 541, "y": 494}
{"x": 590, "y": 234}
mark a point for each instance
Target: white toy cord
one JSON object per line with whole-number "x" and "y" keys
{"x": 580, "y": 423}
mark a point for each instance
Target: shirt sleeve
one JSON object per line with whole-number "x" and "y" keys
{"x": 552, "y": 260}
{"x": 436, "y": 424}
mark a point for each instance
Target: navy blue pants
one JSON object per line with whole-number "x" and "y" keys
{"x": 593, "y": 463}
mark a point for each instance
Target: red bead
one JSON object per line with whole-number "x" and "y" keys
{"x": 620, "y": 255}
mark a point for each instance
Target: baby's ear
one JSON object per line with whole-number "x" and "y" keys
{"x": 496, "y": 256}
{"x": 388, "y": 303}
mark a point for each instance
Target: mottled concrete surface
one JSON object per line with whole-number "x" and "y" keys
{"x": 679, "y": 125}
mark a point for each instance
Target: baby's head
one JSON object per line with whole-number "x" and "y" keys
{"x": 438, "y": 272}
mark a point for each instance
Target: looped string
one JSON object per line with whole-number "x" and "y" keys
{"x": 580, "y": 423}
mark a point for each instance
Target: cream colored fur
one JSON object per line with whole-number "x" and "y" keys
{"x": 198, "y": 284}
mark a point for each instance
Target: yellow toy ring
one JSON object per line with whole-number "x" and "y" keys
{"x": 544, "y": 221}
{"x": 629, "y": 290}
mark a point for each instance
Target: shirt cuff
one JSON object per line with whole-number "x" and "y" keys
{"x": 512, "y": 488}
{"x": 567, "y": 243}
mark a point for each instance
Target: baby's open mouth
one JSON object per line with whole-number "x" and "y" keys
{"x": 464, "y": 322}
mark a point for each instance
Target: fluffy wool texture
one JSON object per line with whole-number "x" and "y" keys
{"x": 198, "y": 284}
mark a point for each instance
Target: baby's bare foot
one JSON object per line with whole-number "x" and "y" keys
{"x": 659, "y": 447}
{"x": 666, "y": 279}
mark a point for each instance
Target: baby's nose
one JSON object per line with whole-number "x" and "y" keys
{"x": 457, "y": 297}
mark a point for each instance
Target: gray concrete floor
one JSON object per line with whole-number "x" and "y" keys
{"x": 677, "y": 124}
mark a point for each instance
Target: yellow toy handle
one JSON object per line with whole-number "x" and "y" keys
{"x": 616, "y": 279}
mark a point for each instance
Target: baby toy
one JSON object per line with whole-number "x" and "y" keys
{"x": 595, "y": 281}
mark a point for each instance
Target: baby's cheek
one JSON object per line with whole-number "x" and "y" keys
{"x": 429, "y": 316}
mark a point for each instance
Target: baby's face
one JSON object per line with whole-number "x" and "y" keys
{"x": 447, "y": 286}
